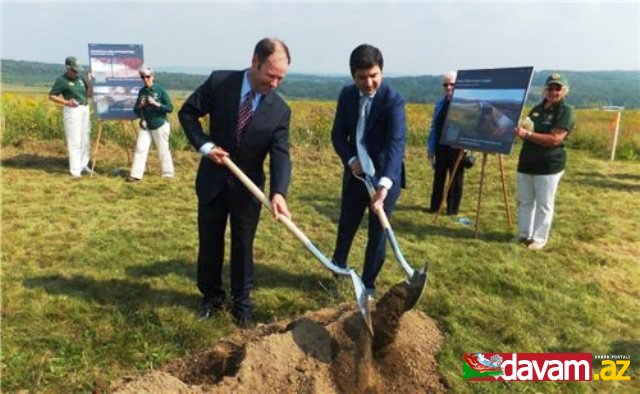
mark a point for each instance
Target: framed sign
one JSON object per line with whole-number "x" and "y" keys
{"x": 485, "y": 108}
{"x": 116, "y": 80}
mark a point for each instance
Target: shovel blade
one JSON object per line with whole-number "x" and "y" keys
{"x": 361, "y": 299}
{"x": 416, "y": 285}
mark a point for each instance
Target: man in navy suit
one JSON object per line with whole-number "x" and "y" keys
{"x": 247, "y": 121}
{"x": 369, "y": 134}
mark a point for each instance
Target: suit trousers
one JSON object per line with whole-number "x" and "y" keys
{"x": 355, "y": 199}
{"x": 161, "y": 138}
{"x": 445, "y": 162}
{"x": 235, "y": 203}
{"x": 536, "y": 200}
{"x": 77, "y": 129}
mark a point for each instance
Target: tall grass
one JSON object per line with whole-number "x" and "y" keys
{"x": 31, "y": 115}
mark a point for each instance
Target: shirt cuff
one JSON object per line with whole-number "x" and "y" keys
{"x": 206, "y": 148}
{"x": 351, "y": 160}
{"x": 385, "y": 182}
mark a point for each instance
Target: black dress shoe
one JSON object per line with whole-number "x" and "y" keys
{"x": 243, "y": 315}
{"x": 244, "y": 322}
{"x": 210, "y": 306}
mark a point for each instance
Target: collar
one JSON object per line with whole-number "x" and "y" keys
{"x": 551, "y": 106}
{"x": 360, "y": 94}
{"x": 246, "y": 86}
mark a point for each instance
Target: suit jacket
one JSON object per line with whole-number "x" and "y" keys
{"x": 267, "y": 132}
{"x": 385, "y": 131}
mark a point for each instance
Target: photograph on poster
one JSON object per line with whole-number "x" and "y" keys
{"x": 485, "y": 108}
{"x": 115, "y": 77}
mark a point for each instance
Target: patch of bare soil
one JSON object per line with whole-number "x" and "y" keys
{"x": 326, "y": 351}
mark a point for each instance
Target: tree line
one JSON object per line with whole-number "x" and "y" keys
{"x": 589, "y": 89}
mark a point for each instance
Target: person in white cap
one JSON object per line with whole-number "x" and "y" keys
{"x": 542, "y": 162}
{"x": 152, "y": 106}
{"x": 443, "y": 157}
{"x": 72, "y": 90}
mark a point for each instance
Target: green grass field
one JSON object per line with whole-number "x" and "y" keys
{"x": 98, "y": 275}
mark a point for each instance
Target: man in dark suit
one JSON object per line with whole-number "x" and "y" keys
{"x": 369, "y": 134}
{"x": 247, "y": 120}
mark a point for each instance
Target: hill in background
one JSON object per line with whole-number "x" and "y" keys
{"x": 589, "y": 89}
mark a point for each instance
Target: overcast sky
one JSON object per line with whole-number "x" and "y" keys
{"x": 416, "y": 38}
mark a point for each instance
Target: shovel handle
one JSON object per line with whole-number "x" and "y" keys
{"x": 382, "y": 216}
{"x": 259, "y": 194}
{"x": 255, "y": 190}
{"x": 288, "y": 223}
{"x": 384, "y": 220}
{"x": 386, "y": 226}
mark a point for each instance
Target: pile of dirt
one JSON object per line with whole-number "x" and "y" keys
{"x": 326, "y": 351}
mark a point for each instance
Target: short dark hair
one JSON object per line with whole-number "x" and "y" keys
{"x": 267, "y": 46}
{"x": 364, "y": 57}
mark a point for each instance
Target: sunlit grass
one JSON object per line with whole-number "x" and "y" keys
{"x": 98, "y": 276}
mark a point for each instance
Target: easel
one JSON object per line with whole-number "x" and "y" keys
{"x": 504, "y": 191}
{"x": 123, "y": 124}
{"x": 448, "y": 184}
{"x": 482, "y": 173}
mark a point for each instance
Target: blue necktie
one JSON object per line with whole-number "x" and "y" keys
{"x": 363, "y": 156}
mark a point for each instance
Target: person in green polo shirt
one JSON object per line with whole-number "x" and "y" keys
{"x": 542, "y": 162}
{"x": 152, "y": 106}
{"x": 72, "y": 91}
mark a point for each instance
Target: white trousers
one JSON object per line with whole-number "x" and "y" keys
{"x": 77, "y": 129}
{"x": 536, "y": 199}
{"x": 161, "y": 138}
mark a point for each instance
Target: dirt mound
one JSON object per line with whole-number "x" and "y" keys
{"x": 327, "y": 351}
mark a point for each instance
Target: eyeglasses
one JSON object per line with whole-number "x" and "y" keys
{"x": 444, "y": 85}
{"x": 146, "y": 76}
{"x": 554, "y": 88}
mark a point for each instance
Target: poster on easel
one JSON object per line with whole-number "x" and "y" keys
{"x": 116, "y": 81}
{"x": 485, "y": 108}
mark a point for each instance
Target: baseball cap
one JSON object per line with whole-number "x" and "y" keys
{"x": 557, "y": 79}
{"x": 145, "y": 69}
{"x": 72, "y": 63}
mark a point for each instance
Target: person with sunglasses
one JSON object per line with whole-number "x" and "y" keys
{"x": 542, "y": 162}
{"x": 443, "y": 157}
{"x": 73, "y": 90}
{"x": 152, "y": 106}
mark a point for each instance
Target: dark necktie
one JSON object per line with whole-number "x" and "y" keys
{"x": 244, "y": 115}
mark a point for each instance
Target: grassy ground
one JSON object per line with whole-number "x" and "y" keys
{"x": 98, "y": 275}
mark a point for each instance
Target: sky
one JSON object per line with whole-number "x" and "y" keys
{"x": 415, "y": 37}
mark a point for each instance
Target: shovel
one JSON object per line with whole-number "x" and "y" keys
{"x": 358, "y": 286}
{"x": 416, "y": 280}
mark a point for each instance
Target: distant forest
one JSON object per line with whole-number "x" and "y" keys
{"x": 589, "y": 89}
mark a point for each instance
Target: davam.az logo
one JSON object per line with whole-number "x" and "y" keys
{"x": 535, "y": 367}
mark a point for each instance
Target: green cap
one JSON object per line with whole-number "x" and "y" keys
{"x": 72, "y": 63}
{"x": 557, "y": 79}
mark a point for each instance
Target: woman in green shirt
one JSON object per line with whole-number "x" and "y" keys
{"x": 542, "y": 162}
{"x": 152, "y": 106}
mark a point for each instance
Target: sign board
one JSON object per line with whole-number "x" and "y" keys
{"x": 116, "y": 80}
{"x": 485, "y": 108}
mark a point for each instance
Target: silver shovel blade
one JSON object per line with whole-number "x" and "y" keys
{"x": 361, "y": 298}
{"x": 416, "y": 284}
